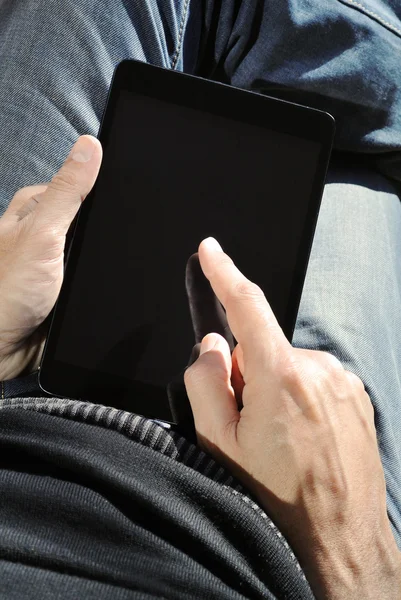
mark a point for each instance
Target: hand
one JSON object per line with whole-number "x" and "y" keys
{"x": 298, "y": 430}
{"x": 32, "y": 239}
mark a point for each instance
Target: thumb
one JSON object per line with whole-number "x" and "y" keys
{"x": 209, "y": 390}
{"x": 58, "y": 205}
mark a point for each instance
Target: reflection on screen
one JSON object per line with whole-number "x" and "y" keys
{"x": 170, "y": 177}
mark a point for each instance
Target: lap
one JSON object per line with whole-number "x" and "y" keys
{"x": 57, "y": 60}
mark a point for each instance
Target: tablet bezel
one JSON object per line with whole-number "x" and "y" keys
{"x": 216, "y": 98}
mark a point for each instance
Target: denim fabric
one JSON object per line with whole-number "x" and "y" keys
{"x": 351, "y": 300}
{"x": 56, "y": 64}
{"x": 342, "y": 56}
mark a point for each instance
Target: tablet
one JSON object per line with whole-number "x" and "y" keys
{"x": 184, "y": 158}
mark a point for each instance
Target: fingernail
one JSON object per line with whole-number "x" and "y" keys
{"x": 213, "y": 244}
{"x": 208, "y": 344}
{"x": 83, "y": 150}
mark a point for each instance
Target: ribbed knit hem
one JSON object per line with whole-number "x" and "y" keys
{"x": 159, "y": 437}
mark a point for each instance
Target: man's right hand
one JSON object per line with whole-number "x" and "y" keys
{"x": 297, "y": 429}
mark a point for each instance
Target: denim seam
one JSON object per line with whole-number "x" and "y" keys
{"x": 180, "y": 34}
{"x": 370, "y": 13}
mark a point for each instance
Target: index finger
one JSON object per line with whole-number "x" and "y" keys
{"x": 249, "y": 315}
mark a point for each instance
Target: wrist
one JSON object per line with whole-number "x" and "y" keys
{"x": 353, "y": 571}
{"x": 22, "y": 361}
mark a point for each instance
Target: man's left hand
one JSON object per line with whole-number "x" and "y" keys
{"x": 33, "y": 233}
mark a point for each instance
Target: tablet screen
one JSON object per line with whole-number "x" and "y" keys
{"x": 172, "y": 176}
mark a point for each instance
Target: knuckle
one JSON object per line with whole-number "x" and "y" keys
{"x": 303, "y": 372}
{"x": 48, "y": 236}
{"x": 247, "y": 288}
{"x": 244, "y": 290}
{"x": 292, "y": 371}
{"x": 191, "y": 374}
{"x": 333, "y": 365}
{"x": 307, "y": 378}
{"x": 224, "y": 259}
{"x": 64, "y": 180}
{"x": 355, "y": 380}
{"x": 200, "y": 371}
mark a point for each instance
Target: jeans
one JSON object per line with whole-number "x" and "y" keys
{"x": 56, "y": 63}
{"x": 341, "y": 56}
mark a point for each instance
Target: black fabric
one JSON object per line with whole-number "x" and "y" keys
{"x": 88, "y": 512}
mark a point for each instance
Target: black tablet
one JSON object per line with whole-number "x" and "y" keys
{"x": 183, "y": 159}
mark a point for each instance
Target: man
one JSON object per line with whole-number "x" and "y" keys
{"x": 98, "y": 502}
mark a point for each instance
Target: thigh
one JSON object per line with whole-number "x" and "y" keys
{"x": 340, "y": 56}
{"x": 351, "y": 301}
{"x": 57, "y": 59}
